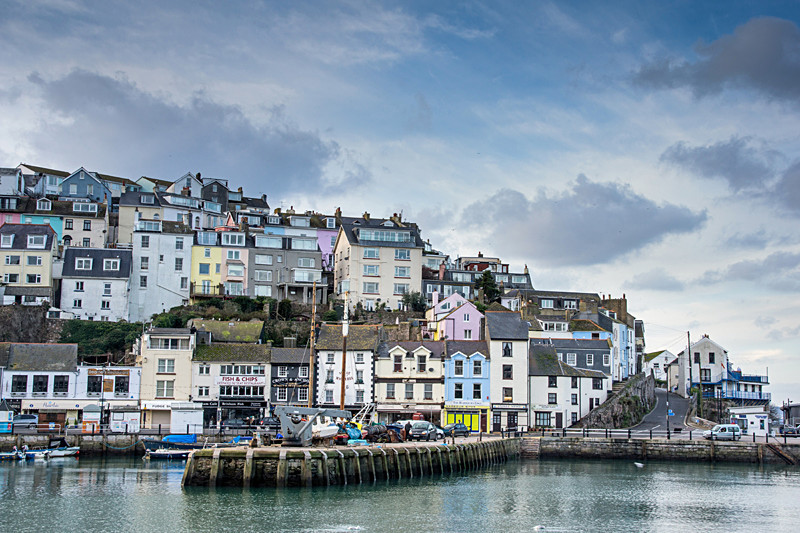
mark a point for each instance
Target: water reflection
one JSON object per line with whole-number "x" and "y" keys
{"x": 133, "y": 495}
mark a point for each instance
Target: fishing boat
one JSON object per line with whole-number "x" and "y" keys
{"x": 36, "y": 455}
{"x": 59, "y": 448}
{"x": 167, "y": 453}
{"x": 13, "y": 455}
{"x": 189, "y": 442}
{"x": 324, "y": 427}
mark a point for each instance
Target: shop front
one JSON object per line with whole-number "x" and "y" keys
{"x": 388, "y": 413}
{"x": 156, "y": 414}
{"x": 232, "y": 413}
{"x": 509, "y": 416}
{"x": 473, "y": 414}
{"x": 57, "y": 414}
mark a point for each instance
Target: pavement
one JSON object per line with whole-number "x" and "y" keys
{"x": 657, "y": 418}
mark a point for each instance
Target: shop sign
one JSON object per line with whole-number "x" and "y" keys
{"x": 240, "y": 380}
{"x": 466, "y": 403}
{"x": 109, "y": 371}
{"x": 290, "y": 382}
{"x": 509, "y": 407}
{"x": 232, "y": 403}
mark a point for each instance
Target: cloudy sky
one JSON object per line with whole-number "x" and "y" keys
{"x": 649, "y": 149}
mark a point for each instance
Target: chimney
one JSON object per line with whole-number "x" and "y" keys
{"x": 264, "y": 198}
{"x": 435, "y": 298}
{"x": 366, "y": 215}
{"x": 199, "y": 178}
{"x": 526, "y": 270}
{"x": 240, "y": 190}
{"x": 441, "y": 270}
{"x": 480, "y": 254}
{"x": 338, "y": 213}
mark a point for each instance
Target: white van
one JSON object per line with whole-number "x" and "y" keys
{"x": 724, "y": 432}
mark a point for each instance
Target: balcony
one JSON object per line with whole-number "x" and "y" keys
{"x": 738, "y": 395}
{"x": 749, "y": 378}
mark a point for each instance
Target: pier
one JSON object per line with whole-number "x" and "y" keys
{"x": 321, "y": 467}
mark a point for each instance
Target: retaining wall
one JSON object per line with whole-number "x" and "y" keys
{"x": 315, "y": 467}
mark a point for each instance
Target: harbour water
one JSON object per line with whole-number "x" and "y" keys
{"x": 132, "y": 495}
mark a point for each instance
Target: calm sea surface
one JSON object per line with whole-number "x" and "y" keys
{"x": 122, "y": 495}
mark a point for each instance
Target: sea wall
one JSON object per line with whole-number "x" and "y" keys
{"x": 626, "y": 408}
{"x": 320, "y": 467}
{"x": 664, "y": 450}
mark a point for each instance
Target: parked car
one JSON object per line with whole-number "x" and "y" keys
{"x": 422, "y": 430}
{"x": 790, "y": 431}
{"x": 26, "y": 421}
{"x": 724, "y": 432}
{"x": 456, "y": 429}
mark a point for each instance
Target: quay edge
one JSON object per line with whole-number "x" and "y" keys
{"x": 321, "y": 467}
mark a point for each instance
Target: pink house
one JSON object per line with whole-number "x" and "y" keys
{"x": 454, "y": 318}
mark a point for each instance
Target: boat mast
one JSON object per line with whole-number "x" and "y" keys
{"x": 344, "y": 346}
{"x": 311, "y": 348}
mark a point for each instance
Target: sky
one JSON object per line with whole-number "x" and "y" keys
{"x": 641, "y": 148}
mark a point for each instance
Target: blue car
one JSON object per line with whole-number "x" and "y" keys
{"x": 456, "y": 429}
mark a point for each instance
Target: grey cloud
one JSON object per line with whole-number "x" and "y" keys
{"x": 757, "y": 240}
{"x": 778, "y": 270}
{"x": 115, "y": 127}
{"x": 787, "y": 190}
{"x": 656, "y": 280}
{"x": 591, "y": 223}
{"x": 764, "y": 321}
{"x": 763, "y": 54}
{"x": 735, "y": 161}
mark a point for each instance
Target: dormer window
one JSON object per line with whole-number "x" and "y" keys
{"x": 36, "y": 241}
{"x": 273, "y": 220}
{"x": 84, "y": 207}
{"x": 44, "y": 205}
{"x": 233, "y": 239}
{"x": 388, "y": 224}
{"x": 147, "y": 199}
{"x": 331, "y": 223}
{"x": 83, "y": 263}
{"x": 111, "y": 264}
{"x": 6, "y": 241}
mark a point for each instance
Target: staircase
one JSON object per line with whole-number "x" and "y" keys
{"x": 777, "y": 450}
{"x": 616, "y": 387}
{"x": 529, "y": 447}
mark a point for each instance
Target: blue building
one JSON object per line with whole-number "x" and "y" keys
{"x": 466, "y": 384}
{"x": 85, "y": 184}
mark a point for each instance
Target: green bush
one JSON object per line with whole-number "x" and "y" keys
{"x": 330, "y": 316}
{"x": 95, "y": 338}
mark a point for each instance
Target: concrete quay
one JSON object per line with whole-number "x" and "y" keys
{"x": 276, "y": 466}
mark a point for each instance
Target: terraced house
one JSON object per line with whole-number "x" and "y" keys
{"x": 409, "y": 378}
{"x": 27, "y": 253}
{"x": 95, "y": 283}
{"x": 362, "y": 345}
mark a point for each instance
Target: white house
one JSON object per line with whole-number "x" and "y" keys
{"x": 754, "y": 419}
{"x": 362, "y": 344}
{"x": 656, "y": 362}
{"x": 507, "y": 336}
{"x": 95, "y": 283}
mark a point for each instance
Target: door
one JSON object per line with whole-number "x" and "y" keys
{"x": 512, "y": 420}
{"x": 496, "y": 422}
{"x": 559, "y": 420}
{"x": 484, "y": 425}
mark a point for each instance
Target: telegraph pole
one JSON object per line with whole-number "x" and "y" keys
{"x": 344, "y": 346}
{"x": 311, "y": 349}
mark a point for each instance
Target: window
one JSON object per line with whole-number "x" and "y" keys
{"x": 597, "y": 383}
{"x": 401, "y": 288}
{"x": 506, "y": 349}
{"x": 306, "y": 262}
{"x": 409, "y": 391}
{"x": 34, "y": 260}
{"x": 372, "y": 253}
{"x": 359, "y": 396}
{"x": 60, "y": 383}
{"x": 40, "y": 383}
{"x": 458, "y": 392}
{"x": 233, "y": 239}
{"x": 428, "y": 392}
{"x": 508, "y": 372}
{"x": 184, "y": 282}
{"x": 43, "y": 205}
{"x": 574, "y": 383}
{"x": 83, "y": 264}
{"x": 145, "y": 241}
{"x": 574, "y": 399}
{"x": 711, "y": 358}
{"x": 68, "y": 223}
{"x": 477, "y": 368}
{"x": 372, "y": 270}
{"x": 78, "y": 286}
{"x": 303, "y": 373}
{"x": 390, "y": 391}
{"x": 458, "y": 367}
{"x": 546, "y": 304}
{"x": 94, "y": 384}
{"x": 330, "y": 359}
{"x": 421, "y": 363}
{"x": 143, "y": 282}
{"x": 268, "y": 241}
{"x": 542, "y": 419}
{"x": 329, "y": 376}
{"x": 12, "y": 259}
{"x": 87, "y": 242}
{"x": 697, "y": 358}
{"x": 234, "y": 288}
{"x": 121, "y": 384}
{"x": 302, "y": 395}
{"x": 179, "y": 243}
{"x": 370, "y": 287}
{"x": 207, "y": 252}
{"x": 110, "y": 264}
{"x": 262, "y": 275}
{"x": 476, "y": 391}
{"x": 283, "y": 371}
{"x": 34, "y": 278}
{"x": 178, "y": 264}
{"x": 6, "y": 241}
{"x": 607, "y": 359}
{"x": 359, "y": 377}
{"x": 164, "y": 389}
{"x": 77, "y": 304}
{"x": 402, "y": 272}
{"x": 87, "y": 225}
{"x": 656, "y": 365}
{"x": 329, "y": 396}
{"x": 204, "y": 370}
{"x": 589, "y": 359}
{"x": 705, "y": 374}
{"x": 105, "y": 304}
{"x": 11, "y": 278}
{"x": 262, "y": 259}
{"x": 204, "y": 268}
{"x": 106, "y": 289}
{"x": 166, "y": 366}
{"x": 552, "y": 398}
{"x": 202, "y": 391}
{"x": 19, "y": 384}
{"x": 402, "y": 254}
{"x": 398, "y": 363}
{"x": 572, "y": 359}
{"x": 508, "y": 394}
{"x": 467, "y": 334}
{"x": 234, "y": 255}
{"x": 552, "y": 381}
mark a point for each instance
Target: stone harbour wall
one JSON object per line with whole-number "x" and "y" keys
{"x": 627, "y": 408}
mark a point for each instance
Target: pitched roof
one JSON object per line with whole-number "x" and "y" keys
{"x": 223, "y": 352}
{"x": 506, "y": 326}
{"x": 435, "y": 347}
{"x": 652, "y": 355}
{"x": 98, "y": 257}
{"x": 43, "y": 357}
{"x": 21, "y": 232}
{"x": 358, "y": 338}
{"x": 64, "y": 207}
{"x": 466, "y": 347}
{"x": 582, "y": 344}
{"x": 292, "y": 356}
{"x": 230, "y": 331}
{"x": 134, "y": 198}
{"x": 44, "y": 170}
{"x": 351, "y": 226}
{"x": 5, "y": 348}
{"x": 543, "y": 361}
{"x": 582, "y": 324}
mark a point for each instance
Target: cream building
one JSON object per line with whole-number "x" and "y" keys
{"x": 27, "y": 252}
{"x": 135, "y": 207}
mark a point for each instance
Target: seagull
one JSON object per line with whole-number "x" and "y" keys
{"x": 538, "y": 528}
{"x": 639, "y": 465}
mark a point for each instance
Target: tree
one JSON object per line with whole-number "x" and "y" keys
{"x": 285, "y": 309}
{"x": 491, "y": 293}
{"x": 330, "y": 316}
{"x": 414, "y": 301}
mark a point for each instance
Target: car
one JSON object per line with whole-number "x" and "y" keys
{"x": 26, "y": 421}
{"x": 790, "y": 431}
{"x": 724, "y": 432}
{"x": 422, "y": 430}
{"x": 456, "y": 429}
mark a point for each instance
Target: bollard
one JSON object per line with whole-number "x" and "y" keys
{"x": 564, "y": 432}
{"x": 754, "y": 437}
{"x": 651, "y": 434}
{"x": 606, "y": 432}
{"x": 667, "y": 434}
{"x": 629, "y": 434}
{"x": 159, "y": 430}
{"x": 187, "y": 429}
{"x": 126, "y": 429}
{"x": 690, "y": 434}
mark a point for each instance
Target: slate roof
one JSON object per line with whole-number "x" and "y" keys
{"x": 65, "y": 208}
{"x": 358, "y": 338}
{"x": 43, "y": 357}
{"x": 168, "y": 226}
{"x": 256, "y": 203}
{"x": 582, "y": 344}
{"x": 230, "y": 331}
{"x": 44, "y": 170}
{"x": 350, "y": 226}
{"x": 8, "y": 171}
{"x": 582, "y": 324}
{"x": 291, "y": 356}
{"x": 506, "y": 326}
{"x": 98, "y": 256}
{"x": 169, "y": 331}
{"x": 134, "y": 198}
{"x": 435, "y": 347}
{"x": 5, "y": 348}
{"x": 21, "y": 232}
{"x": 467, "y": 348}
{"x": 234, "y": 352}
{"x": 543, "y": 361}
{"x": 652, "y": 355}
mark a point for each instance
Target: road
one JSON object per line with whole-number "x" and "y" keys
{"x": 657, "y": 418}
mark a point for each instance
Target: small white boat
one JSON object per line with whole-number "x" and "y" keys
{"x": 37, "y": 455}
{"x": 324, "y": 428}
{"x": 14, "y": 455}
{"x": 167, "y": 453}
{"x": 59, "y": 448}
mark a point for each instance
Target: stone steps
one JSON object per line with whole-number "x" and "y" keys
{"x": 530, "y": 446}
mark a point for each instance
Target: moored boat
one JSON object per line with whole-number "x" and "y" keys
{"x": 167, "y": 453}
{"x": 13, "y": 455}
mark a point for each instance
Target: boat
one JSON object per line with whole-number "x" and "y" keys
{"x": 167, "y": 453}
{"x": 59, "y": 448}
{"x": 324, "y": 428}
{"x": 189, "y": 442}
{"x": 13, "y": 455}
{"x": 36, "y": 455}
